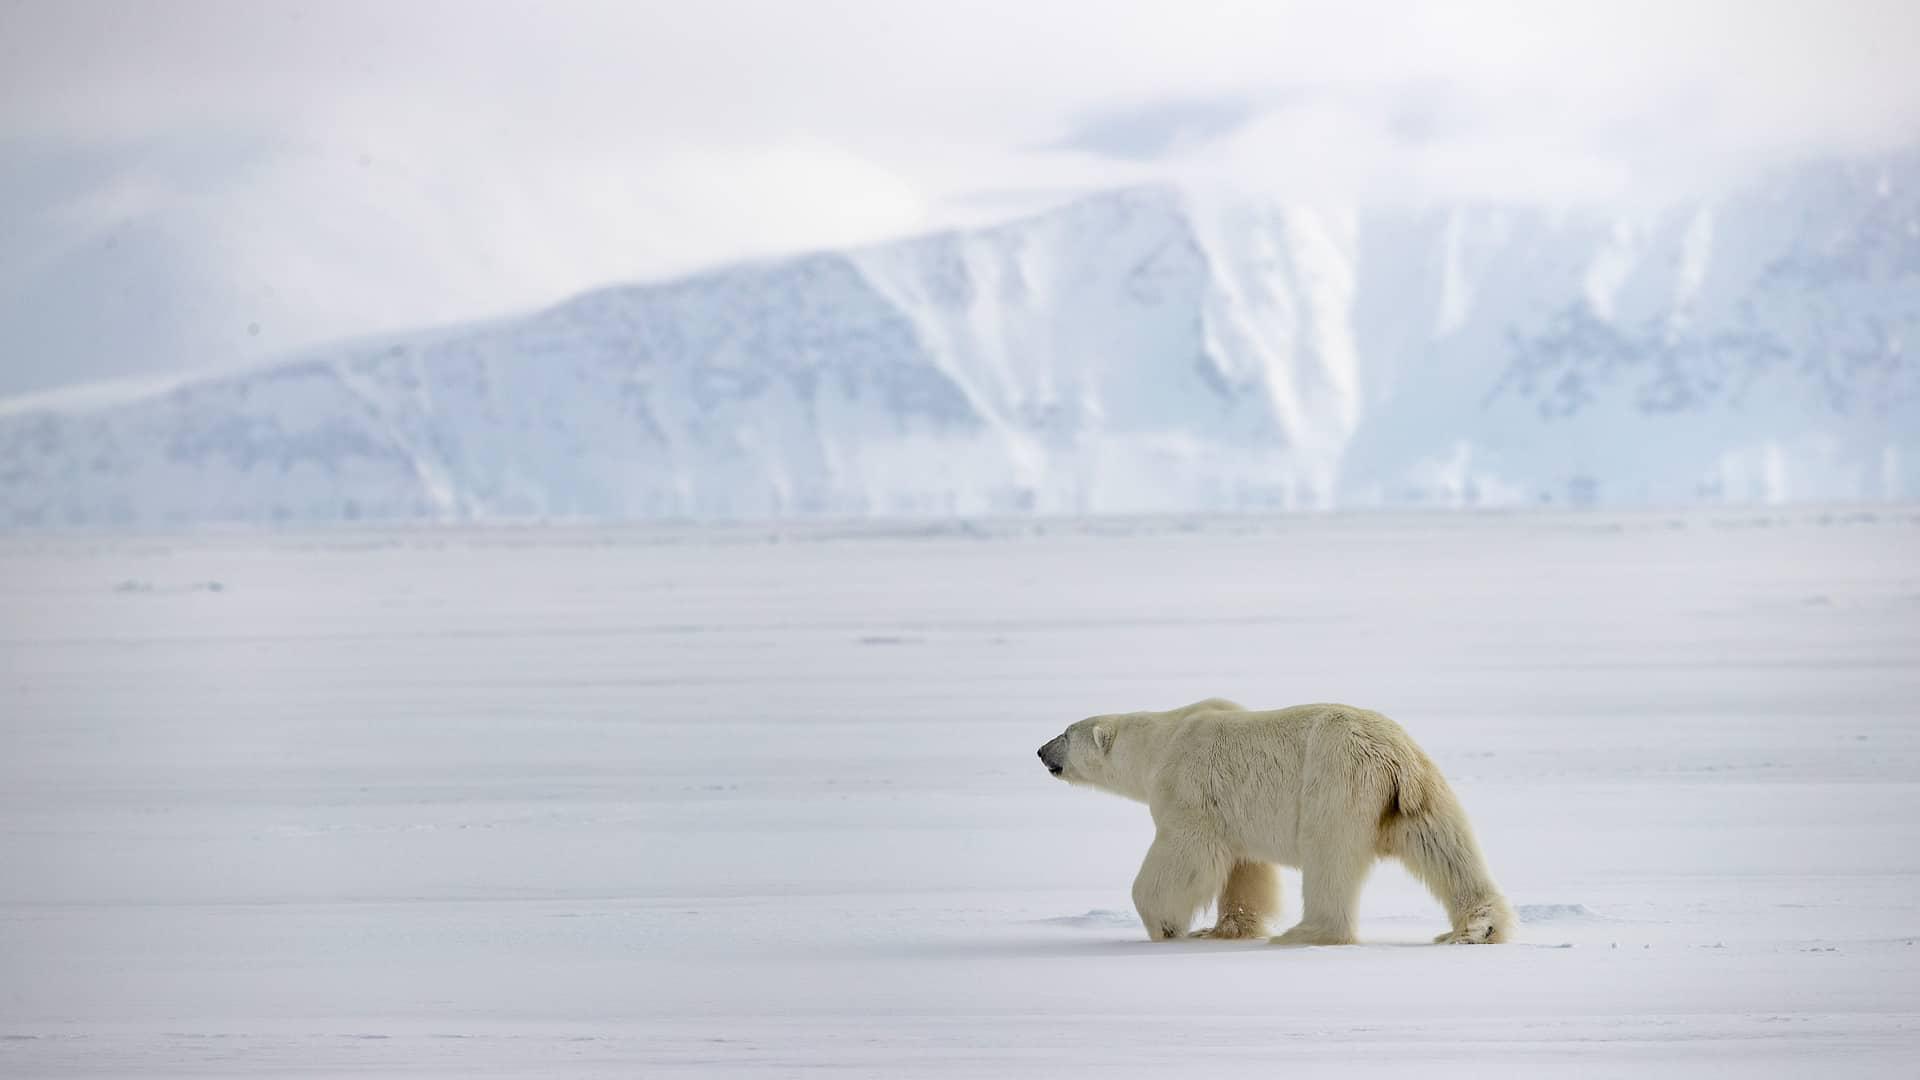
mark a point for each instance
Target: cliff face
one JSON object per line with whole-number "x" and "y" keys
{"x": 1146, "y": 350}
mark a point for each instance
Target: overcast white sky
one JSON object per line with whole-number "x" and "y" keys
{"x": 198, "y": 182}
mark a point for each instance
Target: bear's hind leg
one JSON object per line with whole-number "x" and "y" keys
{"x": 1183, "y": 870}
{"x": 1249, "y": 901}
{"x": 1332, "y": 870}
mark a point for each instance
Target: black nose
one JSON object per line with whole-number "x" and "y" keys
{"x": 1049, "y": 756}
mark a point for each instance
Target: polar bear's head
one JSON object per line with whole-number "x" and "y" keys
{"x": 1079, "y": 754}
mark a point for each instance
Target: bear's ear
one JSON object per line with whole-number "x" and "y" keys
{"x": 1102, "y": 737}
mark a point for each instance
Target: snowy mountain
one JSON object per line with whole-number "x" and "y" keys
{"x": 1142, "y": 350}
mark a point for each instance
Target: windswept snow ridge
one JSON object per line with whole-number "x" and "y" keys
{"x": 1139, "y": 351}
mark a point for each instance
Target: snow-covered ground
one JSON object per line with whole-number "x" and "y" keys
{"x": 660, "y": 802}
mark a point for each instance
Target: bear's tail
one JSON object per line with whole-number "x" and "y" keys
{"x": 1426, "y": 828}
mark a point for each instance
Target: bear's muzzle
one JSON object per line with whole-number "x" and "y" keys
{"x": 1054, "y": 754}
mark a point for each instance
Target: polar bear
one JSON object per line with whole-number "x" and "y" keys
{"x": 1329, "y": 789}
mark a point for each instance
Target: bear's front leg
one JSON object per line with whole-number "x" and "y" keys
{"x": 1248, "y": 904}
{"x": 1184, "y": 868}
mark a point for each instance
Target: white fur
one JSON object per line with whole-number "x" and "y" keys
{"x": 1325, "y": 788}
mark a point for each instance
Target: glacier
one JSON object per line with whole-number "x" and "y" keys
{"x": 1151, "y": 350}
